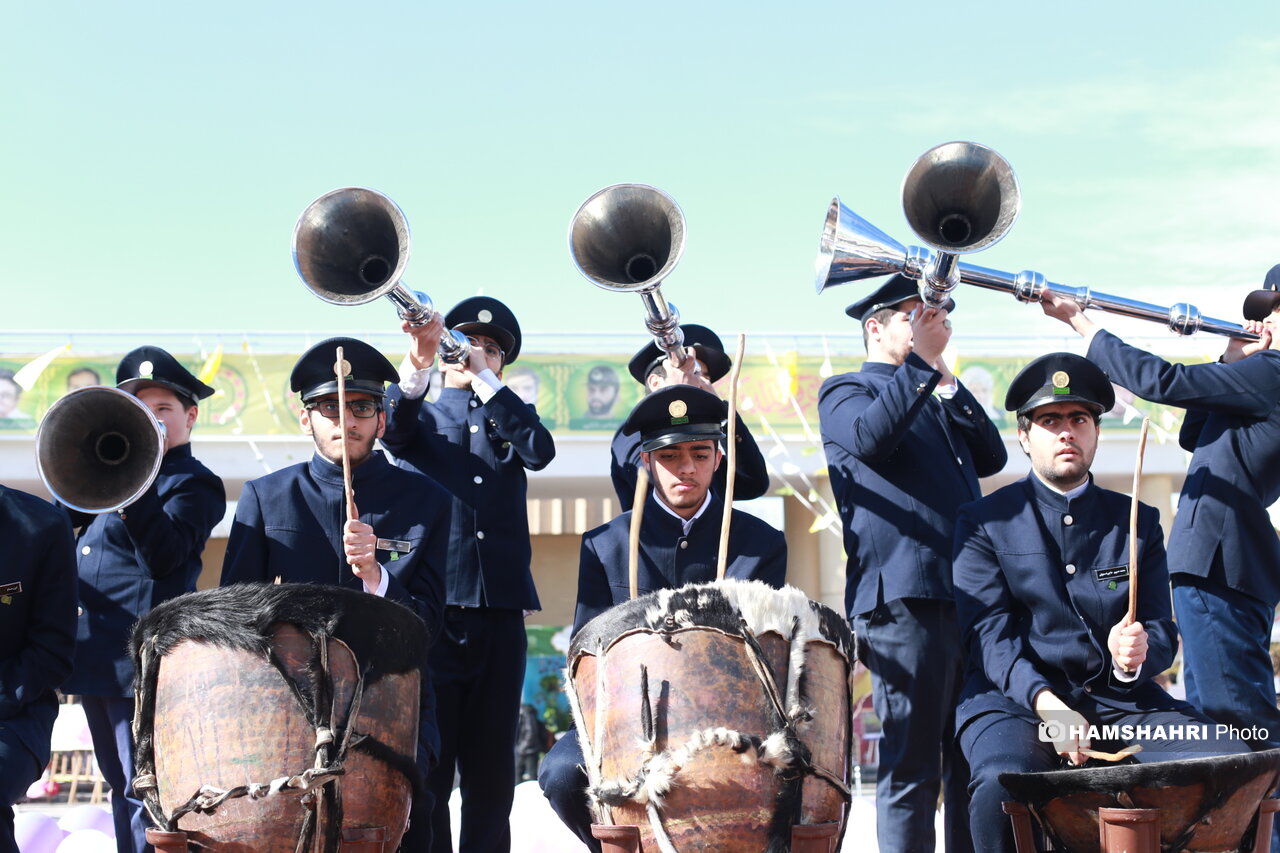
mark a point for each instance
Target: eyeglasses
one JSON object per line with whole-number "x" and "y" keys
{"x": 359, "y": 408}
{"x": 490, "y": 350}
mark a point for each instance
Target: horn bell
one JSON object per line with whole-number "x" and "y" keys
{"x": 351, "y": 245}
{"x": 960, "y": 197}
{"x": 852, "y": 249}
{"x": 627, "y": 237}
{"x": 98, "y": 449}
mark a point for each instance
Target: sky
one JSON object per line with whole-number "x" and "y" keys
{"x": 157, "y": 155}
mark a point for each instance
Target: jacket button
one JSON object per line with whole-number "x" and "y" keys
{"x": 479, "y": 534}
{"x": 1068, "y": 520}
{"x": 1088, "y": 689}
{"x": 79, "y": 611}
{"x": 475, "y": 428}
{"x": 1071, "y": 568}
{"x": 85, "y": 550}
{"x": 684, "y": 543}
{"x": 477, "y": 480}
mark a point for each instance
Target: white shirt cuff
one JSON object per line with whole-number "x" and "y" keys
{"x": 1126, "y": 677}
{"x": 486, "y": 384}
{"x": 381, "y": 591}
{"x": 946, "y": 392}
{"x": 414, "y": 383}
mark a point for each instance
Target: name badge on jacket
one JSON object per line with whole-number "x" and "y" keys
{"x": 1114, "y": 575}
{"x": 395, "y": 546}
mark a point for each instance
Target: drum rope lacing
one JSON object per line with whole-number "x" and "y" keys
{"x": 315, "y": 781}
{"x": 783, "y": 749}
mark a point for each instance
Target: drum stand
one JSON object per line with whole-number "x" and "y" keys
{"x": 1132, "y": 830}
{"x": 806, "y": 838}
{"x": 357, "y": 839}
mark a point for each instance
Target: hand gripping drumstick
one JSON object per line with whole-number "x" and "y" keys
{"x": 1132, "y": 615}
{"x": 340, "y": 369}
{"x": 722, "y": 559}
{"x": 637, "y": 515}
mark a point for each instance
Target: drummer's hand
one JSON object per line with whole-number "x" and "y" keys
{"x": 359, "y": 544}
{"x": 1238, "y": 348}
{"x": 1067, "y": 729}
{"x": 424, "y": 341}
{"x": 1128, "y": 645}
{"x": 689, "y": 373}
{"x": 1067, "y": 310}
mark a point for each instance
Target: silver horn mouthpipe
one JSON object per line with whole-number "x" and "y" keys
{"x": 98, "y": 449}
{"x": 628, "y": 238}
{"x": 959, "y": 198}
{"x": 351, "y": 245}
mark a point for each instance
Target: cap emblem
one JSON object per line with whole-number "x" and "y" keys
{"x": 485, "y": 316}
{"x": 343, "y": 368}
{"x": 145, "y": 369}
{"x": 1061, "y": 382}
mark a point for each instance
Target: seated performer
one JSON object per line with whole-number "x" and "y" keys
{"x": 290, "y": 526}
{"x": 1041, "y": 583}
{"x": 652, "y": 368}
{"x": 680, "y": 431}
{"x": 1224, "y": 552}
{"x": 37, "y": 640}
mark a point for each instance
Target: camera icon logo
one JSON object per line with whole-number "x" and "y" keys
{"x": 1051, "y": 731}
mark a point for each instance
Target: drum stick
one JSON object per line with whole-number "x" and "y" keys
{"x": 1132, "y": 615}
{"x": 722, "y": 560}
{"x": 637, "y": 515}
{"x": 340, "y": 370}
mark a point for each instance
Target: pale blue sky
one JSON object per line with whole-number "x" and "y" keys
{"x": 158, "y": 154}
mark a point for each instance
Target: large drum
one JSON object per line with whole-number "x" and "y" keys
{"x": 715, "y": 716}
{"x": 1205, "y": 804}
{"x": 279, "y": 718}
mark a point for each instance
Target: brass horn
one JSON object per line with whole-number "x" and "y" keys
{"x": 962, "y": 197}
{"x": 351, "y": 246}
{"x": 627, "y": 238}
{"x": 98, "y": 449}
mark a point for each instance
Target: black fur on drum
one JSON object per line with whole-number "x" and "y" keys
{"x": 1221, "y": 776}
{"x": 384, "y": 637}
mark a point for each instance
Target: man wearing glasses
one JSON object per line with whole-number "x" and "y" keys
{"x": 477, "y": 440}
{"x": 291, "y": 526}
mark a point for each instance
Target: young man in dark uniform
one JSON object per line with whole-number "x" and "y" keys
{"x": 37, "y": 640}
{"x": 133, "y": 559}
{"x": 477, "y": 440}
{"x": 1042, "y": 593}
{"x": 906, "y": 443}
{"x": 708, "y": 363}
{"x": 679, "y": 430}
{"x": 291, "y": 525}
{"x": 1224, "y": 556}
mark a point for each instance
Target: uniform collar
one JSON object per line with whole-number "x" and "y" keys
{"x": 327, "y": 472}
{"x": 686, "y": 524}
{"x": 177, "y": 454}
{"x": 1057, "y": 500}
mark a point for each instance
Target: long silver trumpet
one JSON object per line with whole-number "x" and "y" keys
{"x": 351, "y": 246}
{"x": 98, "y": 449}
{"x": 627, "y": 238}
{"x": 961, "y": 197}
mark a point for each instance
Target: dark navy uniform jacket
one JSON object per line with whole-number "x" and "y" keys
{"x": 289, "y": 524}
{"x": 901, "y": 463}
{"x": 751, "y": 481}
{"x": 1232, "y": 428}
{"x": 669, "y": 559}
{"x": 37, "y": 616}
{"x": 134, "y": 559}
{"x": 1039, "y": 582}
{"x": 478, "y": 452}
